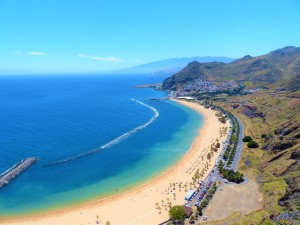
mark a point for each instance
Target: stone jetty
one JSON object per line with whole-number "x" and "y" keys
{"x": 13, "y": 172}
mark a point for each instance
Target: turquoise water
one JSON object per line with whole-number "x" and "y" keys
{"x": 93, "y": 135}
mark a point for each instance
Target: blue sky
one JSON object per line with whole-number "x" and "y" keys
{"x": 71, "y": 36}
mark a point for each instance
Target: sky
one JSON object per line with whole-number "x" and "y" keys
{"x": 76, "y": 36}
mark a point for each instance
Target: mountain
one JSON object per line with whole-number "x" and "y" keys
{"x": 271, "y": 116}
{"x": 280, "y": 67}
{"x": 173, "y": 65}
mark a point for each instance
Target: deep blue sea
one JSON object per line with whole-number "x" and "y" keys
{"x": 94, "y": 135}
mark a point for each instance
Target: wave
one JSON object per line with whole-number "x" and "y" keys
{"x": 114, "y": 141}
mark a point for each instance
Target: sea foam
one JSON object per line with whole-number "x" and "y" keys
{"x": 114, "y": 141}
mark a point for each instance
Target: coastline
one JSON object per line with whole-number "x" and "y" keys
{"x": 142, "y": 199}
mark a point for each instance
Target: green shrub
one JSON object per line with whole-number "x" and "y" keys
{"x": 252, "y": 144}
{"x": 247, "y": 139}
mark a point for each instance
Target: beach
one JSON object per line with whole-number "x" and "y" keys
{"x": 148, "y": 203}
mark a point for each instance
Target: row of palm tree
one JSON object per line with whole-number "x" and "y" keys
{"x": 97, "y": 220}
{"x": 166, "y": 205}
{"x": 185, "y": 186}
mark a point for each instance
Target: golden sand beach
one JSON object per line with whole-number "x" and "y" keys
{"x": 147, "y": 203}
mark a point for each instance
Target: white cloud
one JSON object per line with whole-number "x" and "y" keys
{"x": 30, "y": 53}
{"x": 108, "y": 59}
{"x": 82, "y": 55}
{"x": 37, "y": 53}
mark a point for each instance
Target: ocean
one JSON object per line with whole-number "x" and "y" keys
{"x": 94, "y": 135}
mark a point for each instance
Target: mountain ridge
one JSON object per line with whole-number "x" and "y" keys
{"x": 281, "y": 67}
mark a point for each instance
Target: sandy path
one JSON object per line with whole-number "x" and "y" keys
{"x": 138, "y": 206}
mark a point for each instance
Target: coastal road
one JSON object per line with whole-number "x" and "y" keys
{"x": 213, "y": 175}
{"x": 239, "y": 148}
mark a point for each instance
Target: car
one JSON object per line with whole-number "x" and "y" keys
{"x": 204, "y": 217}
{"x": 197, "y": 203}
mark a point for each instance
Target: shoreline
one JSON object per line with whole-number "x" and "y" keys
{"x": 143, "y": 197}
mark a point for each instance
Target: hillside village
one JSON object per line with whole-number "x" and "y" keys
{"x": 200, "y": 86}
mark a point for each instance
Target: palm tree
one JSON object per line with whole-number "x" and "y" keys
{"x": 168, "y": 200}
{"x": 107, "y": 223}
{"x": 194, "y": 182}
{"x": 162, "y": 202}
{"x": 156, "y": 204}
{"x": 159, "y": 210}
{"x": 202, "y": 174}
